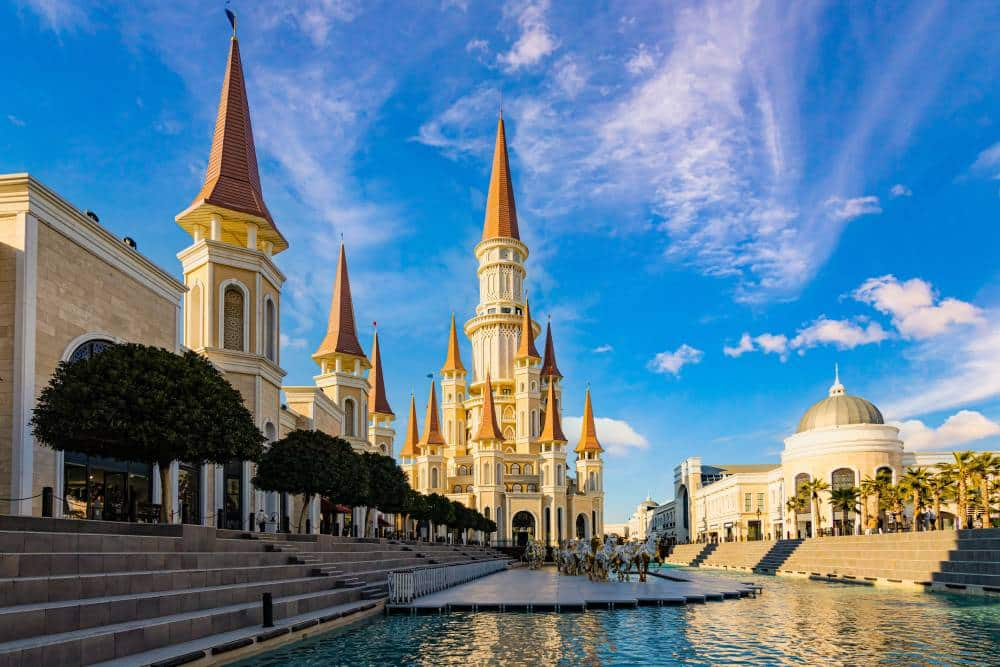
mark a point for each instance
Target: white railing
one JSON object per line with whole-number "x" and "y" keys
{"x": 405, "y": 585}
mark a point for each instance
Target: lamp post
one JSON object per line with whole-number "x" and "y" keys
{"x": 760, "y": 526}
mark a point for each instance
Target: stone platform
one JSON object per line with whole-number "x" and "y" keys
{"x": 522, "y": 589}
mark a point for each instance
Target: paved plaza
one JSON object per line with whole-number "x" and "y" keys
{"x": 522, "y": 589}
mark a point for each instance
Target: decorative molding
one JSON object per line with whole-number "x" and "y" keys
{"x": 221, "y": 308}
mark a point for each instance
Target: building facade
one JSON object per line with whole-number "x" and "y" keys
{"x": 496, "y": 444}
{"x": 841, "y": 439}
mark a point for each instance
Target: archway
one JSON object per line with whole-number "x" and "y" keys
{"x": 523, "y": 527}
{"x": 581, "y": 526}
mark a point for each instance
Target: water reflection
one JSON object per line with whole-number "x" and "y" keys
{"x": 795, "y": 622}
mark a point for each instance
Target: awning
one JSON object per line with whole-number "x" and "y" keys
{"x": 342, "y": 509}
{"x": 382, "y": 522}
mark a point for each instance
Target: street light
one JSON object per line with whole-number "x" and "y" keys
{"x": 760, "y": 527}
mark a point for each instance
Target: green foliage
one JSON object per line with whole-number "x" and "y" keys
{"x": 145, "y": 404}
{"x": 303, "y": 462}
{"x": 440, "y": 510}
{"x": 387, "y": 485}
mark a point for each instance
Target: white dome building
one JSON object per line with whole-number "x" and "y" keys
{"x": 841, "y": 439}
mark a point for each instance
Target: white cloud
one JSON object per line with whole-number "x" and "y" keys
{"x": 617, "y": 436}
{"x": 60, "y": 15}
{"x": 849, "y": 209}
{"x": 915, "y": 308}
{"x": 773, "y": 344}
{"x": 845, "y": 334}
{"x": 459, "y": 129}
{"x": 293, "y": 343}
{"x": 745, "y": 345}
{"x": 477, "y": 45}
{"x": 900, "y": 190}
{"x": 603, "y": 349}
{"x": 569, "y": 77}
{"x": 963, "y": 427}
{"x": 672, "y": 362}
{"x": 988, "y": 162}
{"x": 640, "y": 61}
{"x": 15, "y": 121}
{"x": 535, "y": 41}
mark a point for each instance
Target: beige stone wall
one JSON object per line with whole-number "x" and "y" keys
{"x": 77, "y": 294}
{"x": 8, "y": 259}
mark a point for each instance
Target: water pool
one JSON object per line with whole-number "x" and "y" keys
{"x": 795, "y": 622}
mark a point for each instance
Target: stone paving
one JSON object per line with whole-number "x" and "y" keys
{"x": 522, "y": 589}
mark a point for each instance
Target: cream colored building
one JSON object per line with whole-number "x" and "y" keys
{"x": 841, "y": 439}
{"x": 496, "y": 445}
{"x": 641, "y": 520}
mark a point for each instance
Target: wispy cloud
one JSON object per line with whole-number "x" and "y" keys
{"x": 962, "y": 428}
{"x": 672, "y": 362}
{"x": 60, "y": 16}
{"x": 617, "y": 436}
{"x": 987, "y": 163}
{"x": 15, "y": 121}
{"x": 849, "y": 209}
{"x": 603, "y": 349}
{"x": 900, "y": 190}
{"x": 535, "y": 40}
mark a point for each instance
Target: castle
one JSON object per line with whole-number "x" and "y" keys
{"x": 502, "y": 450}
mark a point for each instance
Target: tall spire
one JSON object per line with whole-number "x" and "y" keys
{"x": 488, "y": 427}
{"x": 412, "y": 433}
{"x": 549, "y": 366}
{"x": 341, "y": 335}
{"x": 552, "y": 428}
{"x": 231, "y": 189}
{"x": 432, "y": 423}
{"x": 527, "y": 349}
{"x": 588, "y": 432}
{"x": 453, "y": 362}
{"x": 501, "y": 214}
{"x": 377, "y": 401}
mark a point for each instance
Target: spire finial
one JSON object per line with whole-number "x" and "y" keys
{"x": 836, "y": 389}
{"x": 836, "y": 373}
{"x": 501, "y": 103}
{"x": 231, "y": 15}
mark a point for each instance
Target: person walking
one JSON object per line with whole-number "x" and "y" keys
{"x": 262, "y": 520}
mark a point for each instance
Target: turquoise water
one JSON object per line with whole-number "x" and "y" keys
{"x": 795, "y": 622}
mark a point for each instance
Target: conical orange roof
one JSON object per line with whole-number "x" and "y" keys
{"x": 501, "y": 214}
{"x": 453, "y": 362}
{"x": 549, "y": 367}
{"x": 432, "y": 424}
{"x": 341, "y": 335}
{"x": 588, "y": 432}
{"x": 377, "y": 401}
{"x": 232, "y": 179}
{"x": 552, "y": 429}
{"x": 488, "y": 427}
{"x": 527, "y": 349}
{"x": 412, "y": 434}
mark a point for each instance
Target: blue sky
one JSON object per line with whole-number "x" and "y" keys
{"x": 722, "y": 199}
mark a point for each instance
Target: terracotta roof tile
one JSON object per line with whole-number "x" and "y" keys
{"x": 341, "y": 335}
{"x": 501, "y": 214}
{"x": 549, "y": 366}
{"x": 527, "y": 349}
{"x": 552, "y": 429}
{"x": 432, "y": 424}
{"x": 488, "y": 427}
{"x": 377, "y": 400}
{"x": 453, "y": 362}
{"x": 412, "y": 432}
{"x": 588, "y": 432}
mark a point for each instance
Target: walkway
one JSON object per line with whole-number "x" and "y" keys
{"x": 522, "y": 589}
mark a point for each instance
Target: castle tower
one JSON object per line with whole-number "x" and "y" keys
{"x": 527, "y": 386}
{"x": 381, "y": 434}
{"x": 552, "y": 444}
{"x": 430, "y": 458}
{"x": 550, "y": 373}
{"x": 233, "y": 302}
{"x": 496, "y": 327}
{"x": 453, "y": 390}
{"x": 487, "y": 462}
{"x": 590, "y": 468}
{"x": 343, "y": 363}
{"x": 408, "y": 454}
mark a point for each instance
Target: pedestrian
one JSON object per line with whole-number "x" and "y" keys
{"x": 262, "y": 520}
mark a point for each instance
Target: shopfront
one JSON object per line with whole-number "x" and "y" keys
{"x": 189, "y": 493}
{"x": 104, "y": 489}
{"x": 233, "y": 498}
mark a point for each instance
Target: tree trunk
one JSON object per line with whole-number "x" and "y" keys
{"x": 938, "y": 520}
{"x": 916, "y": 510}
{"x": 305, "y": 507}
{"x": 962, "y": 510}
{"x": 864, "y": 514}
{"x": 984, "y": 492}
{"x": 368, "y": 522}
{"x": 815, "y": 530}
{"x": 166, "y": 498}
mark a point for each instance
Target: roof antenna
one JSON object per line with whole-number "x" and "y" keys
{"x": 501, "y": 103}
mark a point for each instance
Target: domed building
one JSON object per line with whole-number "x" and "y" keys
{"x": 841, "y": 440}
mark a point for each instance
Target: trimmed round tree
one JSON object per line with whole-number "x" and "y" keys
{"x": 309, "y": 463}
{"x": 387, "y": 485}
{"x": 146, "y": 404}
{"x": 440, "y": 512}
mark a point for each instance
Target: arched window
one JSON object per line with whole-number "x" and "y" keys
{"x": 194, "y": 317}
{"x": 89, "y": 349}
{"x": 559, "y": 474}
{"x": 515, "y": 469}
{"x": 350, "y": 427}
{"x": 458, "y": 488}
{"x": 801, "y": 479}
{"x": 842, "y": 478}
{"x": 528, "y": 470}
{"x": 270, "y": 329}
{"x": 486, "y": 512}
{"x": 518, "y": 488}
{"x": 384, "y": 450}
{"x": 532, "y": 488}
{"x": 434, "y": 478}
{"x": 234, "y": 326}
{"x": 499, "y": 478}
{"x": 884, "y": 473}
{"x": 462, "y": 471}
{"x": 269, "y": 432}
{"x": 486, "y": 473}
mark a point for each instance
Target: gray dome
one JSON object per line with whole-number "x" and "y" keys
{"x": 839, "y": 409}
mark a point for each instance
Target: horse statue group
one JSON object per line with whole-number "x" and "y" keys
{"x": 599, "y": 561}
{"x": 534, "y": 554}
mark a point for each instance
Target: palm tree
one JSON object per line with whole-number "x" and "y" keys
{"x": 940, "y": 487}
{"x": 812, "y": 489}
{"x": 914, "y": 483}
{"x": 961, "y": 469}
{"x": 893, "y": 499}
{"x": 795, "y": 505}
{"x": 845, "y": 499}
{"x": 987, "y": 466}
{"x": 869, "y": 487}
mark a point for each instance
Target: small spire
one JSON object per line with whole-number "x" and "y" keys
{"x": 836, "y": 389}
{"x": 527, "y": 349}
{"x": 549, "y": 366}
{"x": 341, "y": 334}
{"x": 552, "y": 428}
{"x": 488, "y": 427}
{"x": 412, "y": 432}
{"x": 588, "y": 432}
{"x": 432, "y": 423}
{"x": 453, "y": 362}
{"x": 378, "y": 402}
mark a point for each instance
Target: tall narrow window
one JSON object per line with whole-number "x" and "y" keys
{"x": 350, "y": 426}
{"x": 233, "y": 323}
{"x": 270, "y": 327}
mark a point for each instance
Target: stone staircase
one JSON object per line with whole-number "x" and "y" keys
{"x": 70, "y": 594}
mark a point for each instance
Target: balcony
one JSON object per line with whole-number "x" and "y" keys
{"x": 522, "y": 479}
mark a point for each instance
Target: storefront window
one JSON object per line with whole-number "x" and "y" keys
{"x": 189, "y": 493}
{"x": 104, "y": 489}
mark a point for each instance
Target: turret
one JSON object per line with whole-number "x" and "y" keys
{"x": 552, "y": 446}
{"x": 453, "y": 390}
{"x": 527, "y": 386}
{"x": 590, "y": 466}
{"x": 381, "y": 433}
{"x": 487, "y": 459}
{"x": 430, "y": 448}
